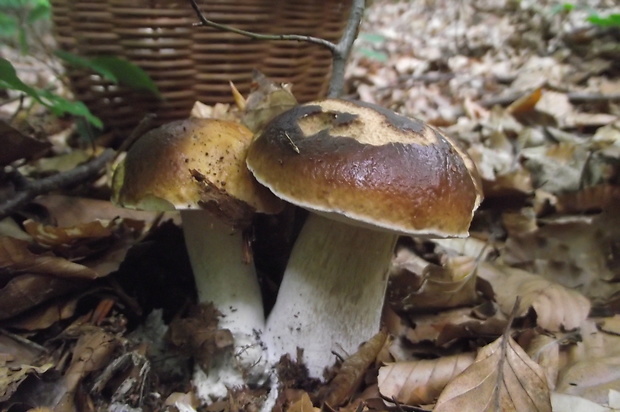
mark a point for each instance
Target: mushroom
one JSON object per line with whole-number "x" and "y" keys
{"x": 198, "y": 166}
{"x": 367, "y": 175}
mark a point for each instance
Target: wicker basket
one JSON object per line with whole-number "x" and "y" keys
{"x": 190, "y": 63}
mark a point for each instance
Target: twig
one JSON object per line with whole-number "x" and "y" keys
{"x": 28, "y": 190}
{"x": 340, "y": 51}
{"x": 258, "y": 36}
{"x": 340, "y": 56}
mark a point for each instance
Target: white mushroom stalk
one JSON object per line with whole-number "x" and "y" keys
{"x": 225, "y": 277}
{"x": 331, "y": 296}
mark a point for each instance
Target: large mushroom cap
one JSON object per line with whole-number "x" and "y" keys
{"x": 191, "y": 164}
{"x": 359, "y": 162}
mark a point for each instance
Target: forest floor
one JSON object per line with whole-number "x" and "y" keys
{"x": 96, "y": 301}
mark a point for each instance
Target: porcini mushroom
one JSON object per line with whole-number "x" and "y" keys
{"x": 197, "y": 166}
{"x": 367, "y": 175}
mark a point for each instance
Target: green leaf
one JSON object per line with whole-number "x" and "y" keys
{"x": 86, "y": 63}
{"x": 114, "y": 69}
{"x": 9, "y": 79}
{"x": 58, "y": 105}
{"x": 374, "y": 55}
{"x": 613, "y": 20}
{"x": 127, "y": 73}
{"x": 374, "y": 38}
{"x": 40, "y": 11}
{"x": 61, "y": 106}
{"x": 8, "y": 25}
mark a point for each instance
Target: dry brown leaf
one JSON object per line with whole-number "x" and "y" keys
{"x": 418, "y": 285}
{"x": 352, "y": 371}
{"x": 198, "y": 335}
{"x": 16, "y": 258}
{"x": 448, "y": 326}
{"x": 503, "y": 378}
{"x": 27, "y": 291}
{"x": 545, "y": 350}
{"x": 421, "y": 382}
{"x": 556, "y": 307}
{"x": 12, "y": 375}
{"x": 610, "y": 325}
{"x": 591, "y": 378}
{"x": 589, "y": 199}
{"x": 525, "y": 103}
{"x": 304, "y": 404}
{"x": 266, "y": 101}
{"x": 577, "y": 252}
{"x": 16, "y": 145}
{"x": 92, "y": 352}
{"x": 70, "y": 210}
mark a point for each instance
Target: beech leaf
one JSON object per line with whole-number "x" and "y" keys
{"x": 421, "y": 382}
{"x": 556, "y": 306}
{"x": 503, "y": 378}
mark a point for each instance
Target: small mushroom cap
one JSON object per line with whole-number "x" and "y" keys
{"x": 192, "y": 164}
{"x": 364, "y": 164}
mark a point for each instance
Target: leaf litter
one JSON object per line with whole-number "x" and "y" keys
{"x": 529, "y": 89}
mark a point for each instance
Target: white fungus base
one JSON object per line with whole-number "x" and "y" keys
{"x": 332, "y": 293}
{"x": 222, "y": 277}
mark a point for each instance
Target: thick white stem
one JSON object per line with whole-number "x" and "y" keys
{"x": 223, "y": 277}
{"x": 332, "y": 292}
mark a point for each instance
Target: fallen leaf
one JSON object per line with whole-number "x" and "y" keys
{"x": 198, "y": 335}
{"x": 556, "y": 307}
{"x": 16, "y": 258}
{"x": 16, "y": 145}
{"x": 525, "y": 103}
{"x": 421, "y": 382}
{"x": 11, "y": 376}
{"x": 610, "y": 325}
{"x": 26, "y": 291}
{"x": 545, "y": 351}
{"x": 304, "y": 404}
{"x": 503, "y": 378}
{"x": 562, "y": 402}
{"x": 591, "y": 378}
{"x": 352, "y": 371}
{"x": 415, "y": 287}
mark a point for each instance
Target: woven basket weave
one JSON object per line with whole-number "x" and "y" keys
{"x": 190, "y": 63}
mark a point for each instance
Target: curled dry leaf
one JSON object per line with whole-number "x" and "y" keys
{"x": 449, "y": 326}
{"x": 92, "y": 352}
{"x": 352, "y": 371}
{"x": 198, "y": 335}
{"x": 304, "y": 404}
{"x": 556, "y": 307}
{"x": 451, "y": 285}
{"x": 545, "y": 350}
{"x": 503, "y": 378}
{"x": 11, "y": 376}
{"x": 16, "y": 145}
{"x": 421, "y": 382}
{"x": 16, "y": 258}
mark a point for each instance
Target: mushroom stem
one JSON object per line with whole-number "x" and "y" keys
{"x": 223, "y": 277}
{"x": 332, "y": 293}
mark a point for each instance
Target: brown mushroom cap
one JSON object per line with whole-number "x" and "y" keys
{"x": 362, "y": 163}
{"x": 191, "y": 164}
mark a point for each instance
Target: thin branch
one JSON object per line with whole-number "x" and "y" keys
{"x": 257, "y": 36}
{"x": 28, "y": 190}
{"x": 340, "y": 51}
{"x": 341, "y": 55}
